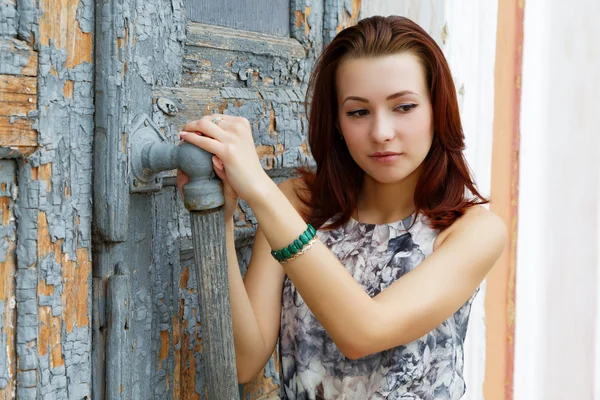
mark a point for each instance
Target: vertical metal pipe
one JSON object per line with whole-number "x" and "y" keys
{"x": 208, "y": 231}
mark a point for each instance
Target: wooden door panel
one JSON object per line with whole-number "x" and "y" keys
{"x": 268, "y": 16}
{"x": 151, "y": 61}
{"x": 217, "y": 57}
{"x": 259, "y": 76}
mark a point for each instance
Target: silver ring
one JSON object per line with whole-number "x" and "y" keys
{"x": 216, "y": 120}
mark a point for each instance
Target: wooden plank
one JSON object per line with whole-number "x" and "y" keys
{"x": 60, "y": 23}
{"x": 118, "y": 379}
{"x": 17, "y": 58}
{"x": 98, "y": 337}
{"x": 7, "y": 281}
{"x": 500, "y": 288}
{"x": 16, "y": 131}
{"x": 277, "y": 116}
{"x": 265, "y": 16}
{"x": 216, "y": 57}
{"x": 218, "y": 37}
{"x": 18, "y": 95}
{"x": 16, "y": 151}
{"x": 215, "y": 308}
{"x": 111, "y": 188}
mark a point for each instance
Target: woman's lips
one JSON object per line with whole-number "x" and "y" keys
{"x": 385, "y": 158}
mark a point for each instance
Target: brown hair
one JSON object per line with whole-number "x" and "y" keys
{"x": 332, "y": 191}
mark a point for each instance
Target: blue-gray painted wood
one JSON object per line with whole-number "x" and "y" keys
{"x": 118, "y": 338}
{"x": 210, "y": 253}
{"x": 165, "y": 295}
{"x": 268, "y": 16}
{"x": 140, "y": 263}
{"x": 98, "y": 338}
{"x": 260, "y": 76}
{"x": 111, "y": 118}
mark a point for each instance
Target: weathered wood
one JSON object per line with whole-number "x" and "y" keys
{"x": 166, "y": 334}
{"x": 18, "y": 95}
{"x": 8, "y": 265}
{"x": 17, "y": 58}
{"x": 217, "y": 57}
{"x": 219, "y": 37}
{"x": 118, "y": 371}
{"x": 266, "y": 16}
{"x": 139, "y": 258}
{"x": 15, "y": 131}
{"x": 339, "y": 14}
{"x": 277, "y": 115}
{"x": 113, "y": 49}
{"x": 215, "y": 306}
{"x": 98, "y": 337}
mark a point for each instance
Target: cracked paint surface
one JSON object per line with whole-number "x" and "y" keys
{"x": 142, "y": 242}
{"x": 46, "y": 72}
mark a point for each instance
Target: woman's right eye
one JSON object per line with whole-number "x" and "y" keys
{"x": 357, "y": 113}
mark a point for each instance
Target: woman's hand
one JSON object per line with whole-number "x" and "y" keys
{"x": 231, "y": 197}
{"x": 235, "y": 159}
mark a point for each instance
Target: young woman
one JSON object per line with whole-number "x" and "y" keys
{"x": 375, "y": 304}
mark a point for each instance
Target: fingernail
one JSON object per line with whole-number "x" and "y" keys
{"x": 182, "y": 133}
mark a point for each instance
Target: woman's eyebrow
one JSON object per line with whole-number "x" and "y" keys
{"x": 390, "y": 97}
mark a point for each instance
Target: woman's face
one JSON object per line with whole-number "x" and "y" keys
{"x": 385, "y": 114}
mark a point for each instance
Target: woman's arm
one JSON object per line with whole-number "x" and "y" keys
{"x": 408, "y": 309}
{"x": 358, "y": 324}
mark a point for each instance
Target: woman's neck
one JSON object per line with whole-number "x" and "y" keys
{"x": 381, "y": 203}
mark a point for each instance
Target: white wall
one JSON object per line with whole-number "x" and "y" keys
{"x": 466, "y": 30}
{"x": 557, "y": 337}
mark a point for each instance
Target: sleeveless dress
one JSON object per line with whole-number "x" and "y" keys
{"x": 430, "y": 368}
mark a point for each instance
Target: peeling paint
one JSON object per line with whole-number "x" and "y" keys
{"x": 9, "y": 19}
{"x": 17, "y": 57}
{"x": 51, "y": 110}
{"x": 49, "y": 43}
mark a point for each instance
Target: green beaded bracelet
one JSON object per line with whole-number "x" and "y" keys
{"x": 296, "y": 246}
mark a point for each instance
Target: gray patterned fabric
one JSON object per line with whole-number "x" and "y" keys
{"x": 429, "y": 368}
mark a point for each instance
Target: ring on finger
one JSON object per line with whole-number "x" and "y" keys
{"x": 216, "y": 120}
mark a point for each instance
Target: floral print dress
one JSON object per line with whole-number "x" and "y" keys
{"x": 430, "y": 368}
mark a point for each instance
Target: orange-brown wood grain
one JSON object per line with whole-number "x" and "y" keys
{"x": 75, "y": 301}
{"x": 58, "y": 21}
{"x": 7, "y": 299}
{"x": 350, "y": 19}
{"x": 500, "y": 289}
{"x": 18, "y": 95}
{"x": 17, "y": 132}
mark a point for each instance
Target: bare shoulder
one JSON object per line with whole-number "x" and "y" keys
{"x": 295, "y": 189}
{"x": 479, "y": 224}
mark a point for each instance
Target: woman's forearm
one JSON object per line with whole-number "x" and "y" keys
{"x": 250, "y": 347}
{"x": 346, "y": 313}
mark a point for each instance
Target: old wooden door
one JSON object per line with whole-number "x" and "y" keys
{"x": 161, "y": 63}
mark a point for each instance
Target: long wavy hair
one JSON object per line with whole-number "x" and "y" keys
{"x": 445, "y": 188}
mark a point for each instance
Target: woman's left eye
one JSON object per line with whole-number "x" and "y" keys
{"x": 405, "y": 107}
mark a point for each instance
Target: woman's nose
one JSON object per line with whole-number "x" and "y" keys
{"x": 382, "y": 130}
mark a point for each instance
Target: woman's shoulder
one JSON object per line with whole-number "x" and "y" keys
{"x": 475, "y": 218}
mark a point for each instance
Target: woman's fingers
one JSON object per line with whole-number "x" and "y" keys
{"x": 218, "y": 163}
{"x": 206, "y": 143}
{"x": 205, "y": 127}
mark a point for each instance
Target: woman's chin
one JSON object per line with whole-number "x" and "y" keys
{"x": 388, "y": 178}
